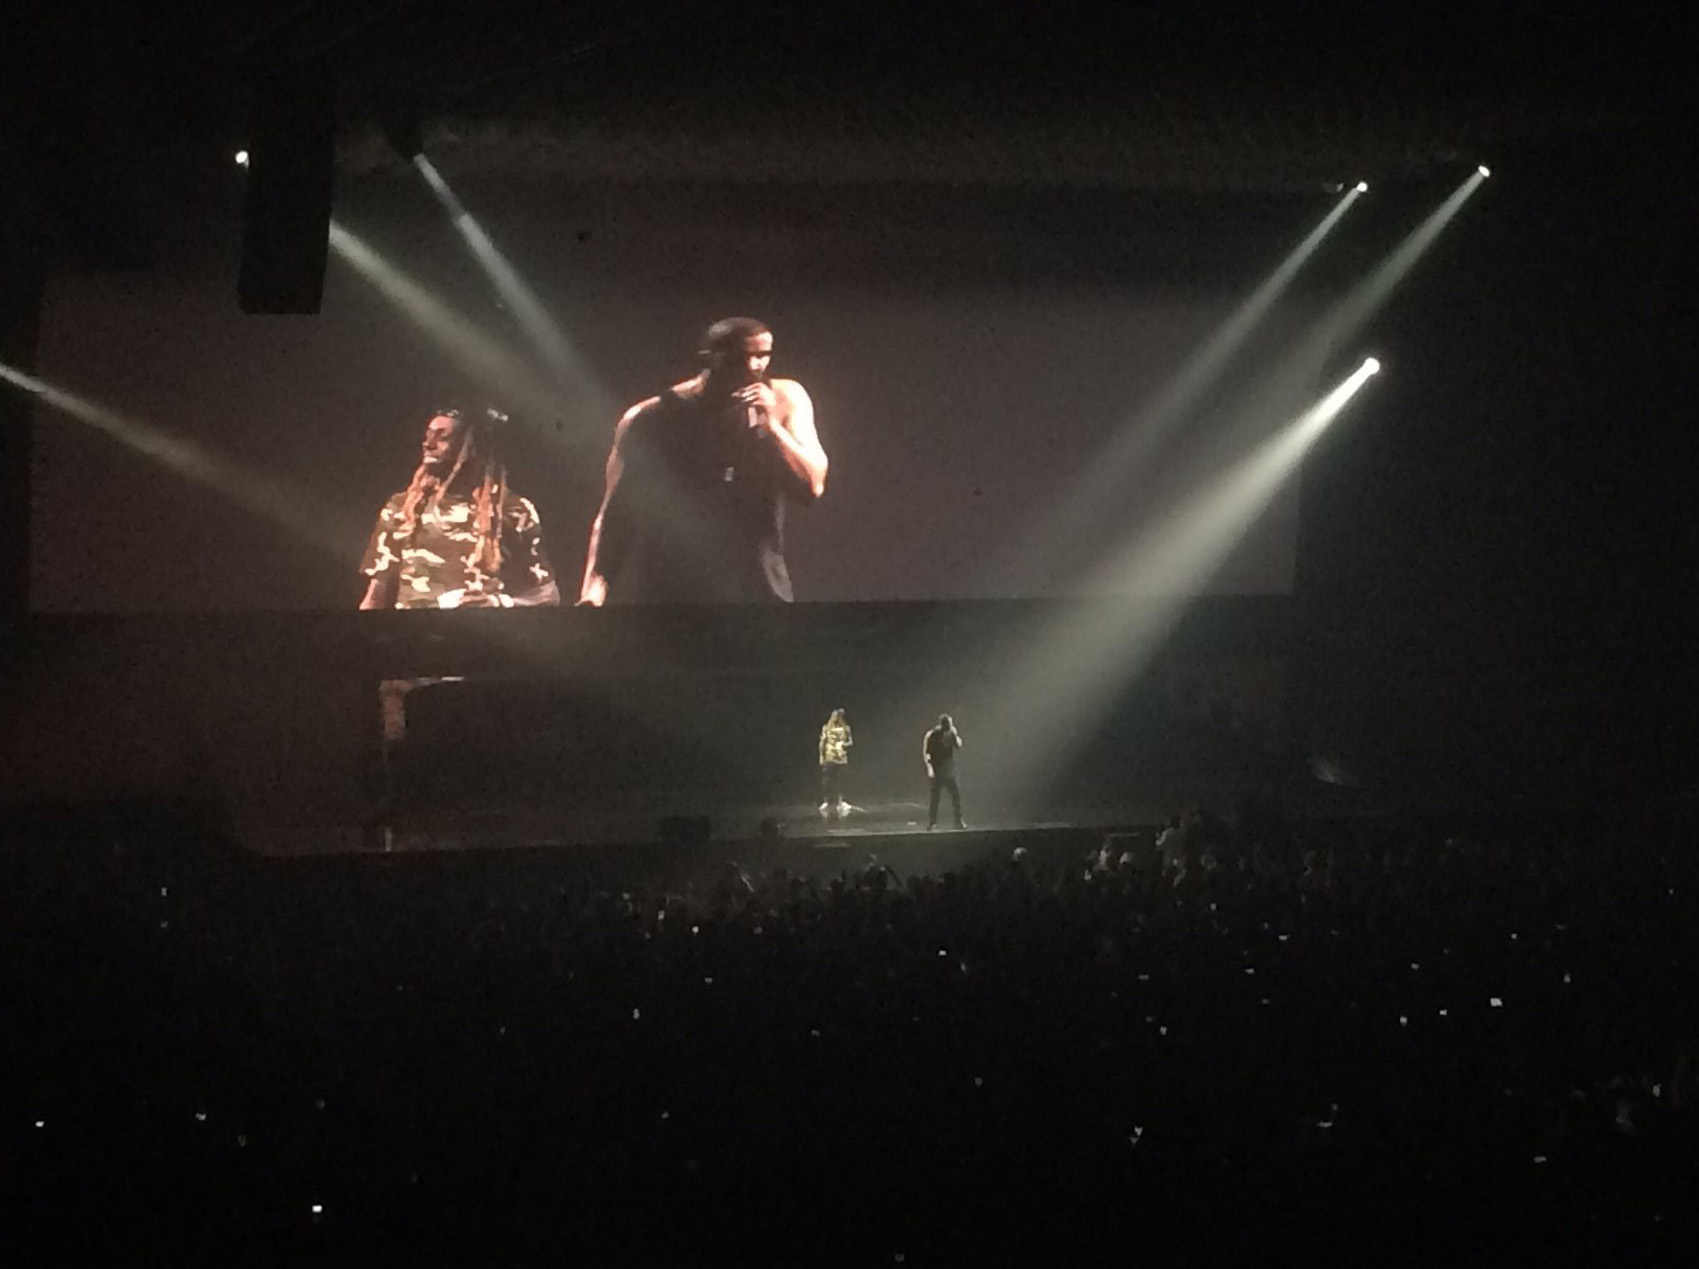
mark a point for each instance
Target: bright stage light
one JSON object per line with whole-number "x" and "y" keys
{"x": 1362, "y": 187}
{"x": 1053, "y": 686}
{"x": 290, "y": 508}
{"x": 1372, "y": 365}
{"x": 574, "y": 378}
{"x": 241, "y": 158}
{"x": 498, "y": 370}
{"x": 1352, "y": 311}
{"x": 1484, "y": 170}
{"x": 1072, "y": 524}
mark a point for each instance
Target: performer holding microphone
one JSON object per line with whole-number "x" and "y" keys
{"x": 699, "y": 478}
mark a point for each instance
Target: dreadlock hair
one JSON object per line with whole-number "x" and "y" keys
{"x": 479, "y": 458}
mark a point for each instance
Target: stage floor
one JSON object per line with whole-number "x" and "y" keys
{"x": 890, "y": 829}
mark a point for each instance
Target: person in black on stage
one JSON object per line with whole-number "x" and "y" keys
{"x": 698, "y": 480}
{"x": 938, "y": 749}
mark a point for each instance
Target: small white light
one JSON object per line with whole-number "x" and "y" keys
{"x": 241, "y": 158}
{"x": 1362, "y": 187}
{"x": 318, "y": 1209}
{"x": 1484, "y": 170}
{"x": 1372, "y": 365}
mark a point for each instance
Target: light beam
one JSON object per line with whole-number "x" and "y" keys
{"x": 283, "y": 505}
{"x": 572, "y": 374}
{"x": 1055, "y": 688}
{"x": 1104, "y": 484}
{"x": 507, "y": 377}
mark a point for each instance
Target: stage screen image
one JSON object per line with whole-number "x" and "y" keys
{"x": 969, "y": 364}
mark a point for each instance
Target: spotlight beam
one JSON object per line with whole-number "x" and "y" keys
{"x": 1059, "y": 684}
{"x": 572, "y": 374}
{"x": 282, "y": 505}
{"x": 1105, "y": 482}
{"x": 1371, "y": 294}
{"x": 496, "y": 367}
{"x": 1295, "y": 379}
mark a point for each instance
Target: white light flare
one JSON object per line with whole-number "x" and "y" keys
{"x": 291, "y": 508}
{"x": 497, "y": 368}
{"x": 1103, "y": 486}
{"x": 573, "y": 376}
{"x": 1061, "y": 678}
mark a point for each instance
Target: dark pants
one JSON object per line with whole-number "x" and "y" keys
{"x": 942, "y": 780}
{"x": 831, "y": 776}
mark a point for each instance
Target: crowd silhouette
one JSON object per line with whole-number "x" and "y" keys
{"x": 1233, "y": 1037}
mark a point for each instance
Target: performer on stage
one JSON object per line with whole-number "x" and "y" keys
{"x": 938, "y": 750}
{"x": 698, "y": 480}
{"x": 457, "y": 536}
{"x": 835, "y": 742}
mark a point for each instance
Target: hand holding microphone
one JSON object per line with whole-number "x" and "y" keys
{"x": 759, "y": 401}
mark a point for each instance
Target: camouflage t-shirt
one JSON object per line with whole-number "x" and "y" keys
{"x": 433, "y": 558}
{"x": 834, "y": 744}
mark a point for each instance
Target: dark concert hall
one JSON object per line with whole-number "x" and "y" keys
{"x": 848, "y": 633}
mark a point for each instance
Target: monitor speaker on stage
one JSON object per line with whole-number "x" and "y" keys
{"x": 291, "y": 161}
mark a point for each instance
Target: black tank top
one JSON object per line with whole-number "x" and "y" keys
{"x": 709, "y": 500}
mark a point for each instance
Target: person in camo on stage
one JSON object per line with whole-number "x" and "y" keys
{"x": 456, "y": 537}
{"x": 835, "y": 742}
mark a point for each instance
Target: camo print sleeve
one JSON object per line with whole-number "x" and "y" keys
{"x": 381, "y": 557}
{"x": 527, "y": 566}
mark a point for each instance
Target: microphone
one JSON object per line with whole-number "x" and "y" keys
{"x": 756, "y": 417}
{"x": 496, "y": 416}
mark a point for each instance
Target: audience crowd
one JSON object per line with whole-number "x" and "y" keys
{"x": 1227, "y": 1040}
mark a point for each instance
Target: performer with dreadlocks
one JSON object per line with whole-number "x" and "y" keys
{"x": 835, "y": 743}
{"x": 698, "y": 480}
{"x": 457, "y": 536}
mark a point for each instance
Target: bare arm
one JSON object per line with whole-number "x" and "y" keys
{"x": 608, "y": 533}
{"x": 381, "y": 592}
{"x": 793, "y": 431}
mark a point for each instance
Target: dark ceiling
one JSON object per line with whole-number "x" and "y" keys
{"x": 1205, "y": 96}
{"x": 1270, "y": 83}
